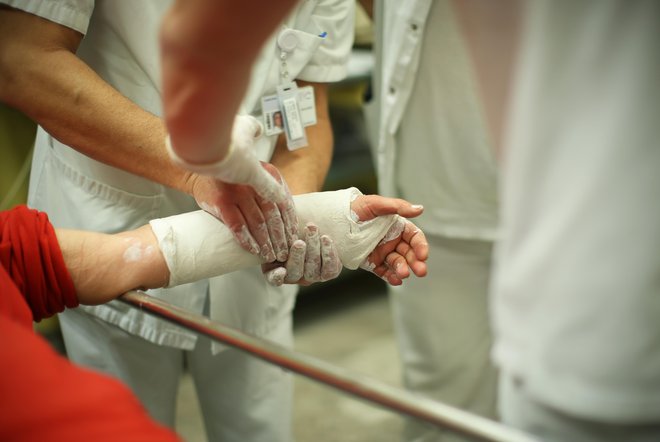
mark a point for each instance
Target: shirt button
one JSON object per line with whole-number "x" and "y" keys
{"x": 392, "y": 90}
{"x": 413, "y": 26}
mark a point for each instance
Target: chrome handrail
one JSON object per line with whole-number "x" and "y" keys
{"x": 369, "y": 389}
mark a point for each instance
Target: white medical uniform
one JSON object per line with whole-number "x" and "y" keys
{"x": 576, "y": 304}
{"x": 432, "y": 149}
{"x": 241, "y": 398}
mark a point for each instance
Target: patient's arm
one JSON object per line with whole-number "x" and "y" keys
{"x": 196, "y": 246}
{"x": 103, "y": 266}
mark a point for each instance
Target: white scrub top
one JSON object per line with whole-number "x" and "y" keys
{"x": 432, "y": 146}
{"x": 577, "y": 285}
{"x": 120, "y": 44}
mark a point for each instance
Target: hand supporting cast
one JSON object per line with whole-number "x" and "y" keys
{"x": 196, "y": 246}
{"x": 401, "y": 250}
{"x": 250, "y": 197}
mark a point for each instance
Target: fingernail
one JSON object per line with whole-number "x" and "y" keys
{"x": 417, "y": 206}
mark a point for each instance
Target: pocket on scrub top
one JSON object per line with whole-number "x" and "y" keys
{"x": 76, "y": 201}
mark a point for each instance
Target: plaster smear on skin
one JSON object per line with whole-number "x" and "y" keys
{"x": 368, "y": 266}
{"x": 395, "y": 231}
{"x": 135, "y": 251}
{"x": 213, "y": 210}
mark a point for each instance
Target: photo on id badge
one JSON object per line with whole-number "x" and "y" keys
{"x": 273, "y": 119}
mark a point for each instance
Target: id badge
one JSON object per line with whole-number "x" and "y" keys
{"x": 291, "y": 110}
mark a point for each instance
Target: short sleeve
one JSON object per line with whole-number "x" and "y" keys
{"x": 335, "y": 20}
{"x": 74, "y": 14}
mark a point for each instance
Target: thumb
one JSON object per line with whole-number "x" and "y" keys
{"x": 368, "y": 207}
{"x": 267, "y": 186}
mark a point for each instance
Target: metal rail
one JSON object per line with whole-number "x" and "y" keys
{"x": 371, "y": 390}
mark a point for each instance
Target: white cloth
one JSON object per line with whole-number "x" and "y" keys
{"x": 576, "y": 293}
{"x": 443, "y": 332}
{"x": 431, "y": 148}
{"x": 518, "y": 409}
{"x": 429, "y": 122}
{"x": 120, "y": 45}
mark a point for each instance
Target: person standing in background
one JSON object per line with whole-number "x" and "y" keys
{"x": 431, "y": 145}
{"x": 575, "y": 291}
{"x": 101, "y": 164}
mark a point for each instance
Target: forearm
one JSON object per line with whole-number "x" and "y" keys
{"x": 305, "y": 169}
{"x": 41, "y": 76}
{"x": 208, "y": 48}
{"x": 104, "y": 266}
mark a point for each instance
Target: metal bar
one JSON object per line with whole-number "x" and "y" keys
{"x": 371, "y": 390}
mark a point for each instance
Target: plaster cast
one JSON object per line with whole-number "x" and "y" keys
{"x": 196, "y": 245}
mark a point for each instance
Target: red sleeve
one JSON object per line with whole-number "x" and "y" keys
{"x": 31, "y": 255}
{"x": 43, "y": 397}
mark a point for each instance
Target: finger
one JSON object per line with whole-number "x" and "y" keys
{"x": 417, "y": 266}
{"x": 266, "y": 185}
{"x": 368, "y": 207}
{"x": 312, "y": 270}
{"x": 398, "y": 264}
{"x": 295, "y": 265}
{"x": 276, "y": 276}
{"x": 234, "y": 220}
{"x": 256, "y": 223}
{"x": 387, "y": 275}
{"x": 331, "y": 265}
{"x": 287, "y": 207}
{"x": 289, "y": 216}
{"x": 417, "y": 240}
{"x": 275, "y": 227}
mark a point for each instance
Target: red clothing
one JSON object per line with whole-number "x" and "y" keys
{"x": 42, "y": 395}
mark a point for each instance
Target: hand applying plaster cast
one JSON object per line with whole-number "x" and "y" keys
{"x": 261, "y": 227}
{"x": 263, "y": 223}
{"x": 240, "y": 165}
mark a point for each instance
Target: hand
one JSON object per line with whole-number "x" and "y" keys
{"x": 404, "y": 247}
{"x": 261, "y": 227}
{"x": 240, "y": 164}
{"x": 313, "y": 260}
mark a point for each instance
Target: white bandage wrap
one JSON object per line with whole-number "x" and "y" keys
{"x": 240, "y": 165}
{"x": 196, "y": 245}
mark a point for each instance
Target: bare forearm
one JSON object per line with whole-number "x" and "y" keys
{"x": 104, "y": 266}
{"x": 41, "y": 76}
{"x": 305, "y": 169}
{"x": 208, "y": 48}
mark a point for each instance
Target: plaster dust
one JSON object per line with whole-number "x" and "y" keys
{"x": 197, "y": 246}
{"x": 135, "y": 251}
